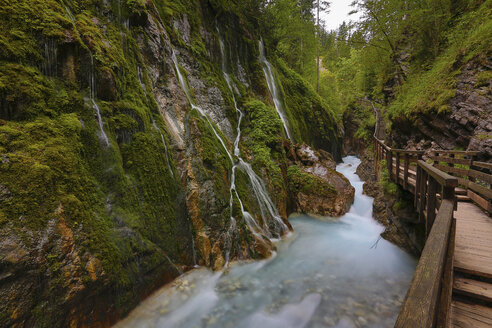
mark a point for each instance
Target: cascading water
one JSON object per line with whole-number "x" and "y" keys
{"x": 69, "y": 14}
{"x": 272, "y": 86}
{"x": 165, "y": 147}
{"x": 50, "y": 58}
{"x": 140, "y": 77}
{"x": 329, "y": 273}
{"x": 102, "y": 135}
{"x": 264, "y": 201}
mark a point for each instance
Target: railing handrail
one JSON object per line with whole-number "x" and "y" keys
{"x": 441, "y": 177}
{"x": 421, "y": 306}
{"x": 428, "y": 300}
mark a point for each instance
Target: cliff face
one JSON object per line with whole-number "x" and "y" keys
{"x": 120, "y": 164}
{"x": 467, "y": 124}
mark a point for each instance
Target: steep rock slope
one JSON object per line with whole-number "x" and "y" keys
{"x": 120, "y": 164}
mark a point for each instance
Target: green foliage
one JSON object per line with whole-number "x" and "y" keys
{"x": 430, "y": 91}
{"x": 385, "y": 182}
{"x": 291, "y": 31}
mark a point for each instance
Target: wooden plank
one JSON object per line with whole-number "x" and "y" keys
{"x": 444, "y": 313}
{"x": 470, "y": 315}
{"x": 473, "y": 251}
{"x": 404, "y": 151}
{"x": 485, "y": 204}
{"x": 458, "y": 152}
{"x": 473, "y": 288}
{"x": 472, "y": 267}
{"x": 451, "y": 160}
{"x": 480, "y": 175}
{"x": 484, "y": 192}
{"x": 419, "y": 307}
{"x": 442, "y": 178}
{"x": 455, "y": 170}
{"x": 483, "y": 165}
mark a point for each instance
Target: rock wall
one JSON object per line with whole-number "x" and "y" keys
{"x": 111, "y": 183}
{"x": 466, "y": 125}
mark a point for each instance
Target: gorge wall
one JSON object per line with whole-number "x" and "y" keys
{"x": 134, "y": 146}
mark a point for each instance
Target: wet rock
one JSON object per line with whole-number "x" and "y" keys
{"x": 319, "y": 189}
{"x": 106, "y": 85}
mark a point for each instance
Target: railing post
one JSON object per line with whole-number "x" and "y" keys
{"x": 389, "y": 160}
{"x": 405, "y": 172}
{"x": 449, "y": 193}
{"x": 397, "y": 173}
{"x": 418, "y": 177}
{"x": 423, "y": 194}
{"x": 472, "y": 157}
{"x": 431, "y": 204}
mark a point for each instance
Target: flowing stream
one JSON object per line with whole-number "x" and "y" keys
{"x": 272, "y": 86}
{"x": 328, "y": 273}
{"x": 268, "y": 209}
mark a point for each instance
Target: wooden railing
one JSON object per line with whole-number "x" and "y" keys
{"x": 428, "y": 300}
{"x": 472, "y": 175}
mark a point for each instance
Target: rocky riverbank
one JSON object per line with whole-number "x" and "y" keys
{"x": 392, "y": 207}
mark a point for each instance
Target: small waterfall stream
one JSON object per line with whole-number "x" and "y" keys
{"x": 267, "y": 207}
{"x": 272, "y": 86}
{"x": 154, "y": 125}
{"x": 265, "y": 203}
{"x": 328, "y": 273}
{"x": 92, "y": 81}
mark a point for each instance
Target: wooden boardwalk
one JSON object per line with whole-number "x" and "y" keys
{"x": 472, "y": 287}
{"x": 452, "y": 284}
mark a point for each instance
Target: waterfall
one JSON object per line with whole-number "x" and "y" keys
{"x": 69, "y": 14}
{"x": 50, "y": 58}
{"x": 193, "y": 248}
{"x": 260, "y": 191}
{"x": 165, "y": 147}
{"x": 264, "y": 201}
{"x": 92, "y": 83}
{"x": 140, "y": 78}
{"x": 272, "y": 86}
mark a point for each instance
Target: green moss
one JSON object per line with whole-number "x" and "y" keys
{"x": 309, "y": 184}
{"x": 22, "y": 22}
{"x": 311, "y": 119}
{"x": 484, "y": 136}
{"x": 264, "y": 130}
{"x": 483, "y": 78}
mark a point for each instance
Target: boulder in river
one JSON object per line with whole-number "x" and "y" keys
{"x": 317, "y": 187}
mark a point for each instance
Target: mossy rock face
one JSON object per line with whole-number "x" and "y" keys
{"x": 311, "y": 120}
{"x": 88, "y": 228}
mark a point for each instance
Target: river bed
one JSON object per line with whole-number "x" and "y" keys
{"x": 327, "y": 273}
